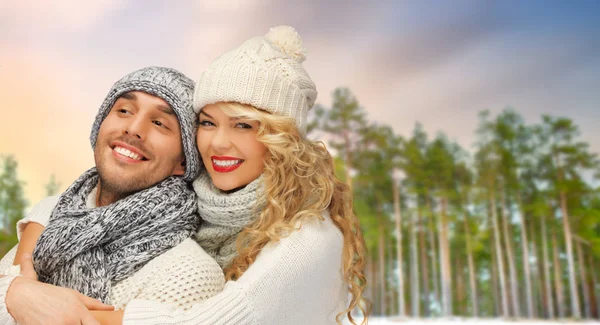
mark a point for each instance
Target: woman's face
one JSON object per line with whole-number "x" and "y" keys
{"x": 229, "y": 149}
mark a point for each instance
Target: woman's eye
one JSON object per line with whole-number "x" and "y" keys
{"x": 206, "y": 123}
{"x": 243, "y": 125}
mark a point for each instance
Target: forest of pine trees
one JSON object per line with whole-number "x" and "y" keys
{"x": 510, "y": 228}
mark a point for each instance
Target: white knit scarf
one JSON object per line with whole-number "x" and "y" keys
{"x": 224, "y": 216}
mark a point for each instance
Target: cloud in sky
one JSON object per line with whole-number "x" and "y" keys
{"x": 435, "y": 62}
{"x": 28, "y": 17}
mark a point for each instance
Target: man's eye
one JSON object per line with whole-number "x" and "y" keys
{"x": 159, "y": 123}
{"x": 123, "y": 110}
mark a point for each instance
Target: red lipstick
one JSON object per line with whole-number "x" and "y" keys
{"x": 224, "y": 164}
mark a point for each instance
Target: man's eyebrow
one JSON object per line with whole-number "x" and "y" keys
{"x": 166, "y": 109}
{"x": 129, "y": 95}
{"x": 163, "y": 108}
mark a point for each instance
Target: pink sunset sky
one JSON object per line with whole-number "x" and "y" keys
{"x": 436, "y": 62}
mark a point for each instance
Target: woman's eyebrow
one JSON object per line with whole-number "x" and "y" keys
{"x": 204, "y": 113}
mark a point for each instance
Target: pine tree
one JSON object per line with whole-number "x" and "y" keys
{"x": 344, "y": 122}
{"x": 52, "y": 187}
{"x": 565, "y": 160}
{"x": 12, "y": 202}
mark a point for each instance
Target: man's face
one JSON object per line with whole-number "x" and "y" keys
{"x": 139, "y": 144}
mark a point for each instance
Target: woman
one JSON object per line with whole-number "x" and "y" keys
{"x": 276, "y": 218}
{"x": 300, "y": 252}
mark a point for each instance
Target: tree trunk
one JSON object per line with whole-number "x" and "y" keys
{"x": 537, "y": 276}
{"x": 434, "y": 259}
{"x": 547, "y": 282}
{"x": 495, "y": 296}
{"x": 499, "y": 260}
{"x": 460, "y": 287}
{"x": 445, "y": 266}
{"x": 525, "y": 249}
{"x": 514, "y": 286}
{"x": 593, "y": 293}
{"x": 372, "y": 282}
{"x": 414, "y": 273}
{"x": 584, "y": 282}
{"x": 423, "y": 260}
{"x": 560, "y": 300}
{"x": 382, "y": 282}
{"x": 347, "y": 160}
{"x": 399, "y": 262}
{"x": 369, "y": 296}
{"x": 472, "y": 274}
{"x": 390, "y": 266}
{"x": 575, "y": 308}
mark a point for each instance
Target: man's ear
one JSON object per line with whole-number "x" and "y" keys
{"x": 180, "y": 169}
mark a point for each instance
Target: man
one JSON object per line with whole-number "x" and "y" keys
{"x": 142, "y": 136}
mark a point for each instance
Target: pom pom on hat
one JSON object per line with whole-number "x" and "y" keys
{"x": 287, "y": 39}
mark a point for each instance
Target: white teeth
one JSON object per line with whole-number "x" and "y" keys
{"x": 226, "y": 163}
{"x": 127, "y": 153}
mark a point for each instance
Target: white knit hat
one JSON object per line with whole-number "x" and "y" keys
{"x": 264, "y": 72}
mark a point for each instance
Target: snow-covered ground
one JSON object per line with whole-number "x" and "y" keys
{"x": 460, "y": 321}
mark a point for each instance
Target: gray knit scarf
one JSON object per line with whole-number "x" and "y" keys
{"x": 224, "y": 216}
{"x": 89, "y": 249}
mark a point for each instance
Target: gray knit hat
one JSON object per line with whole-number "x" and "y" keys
{"x": 174, "y": 88}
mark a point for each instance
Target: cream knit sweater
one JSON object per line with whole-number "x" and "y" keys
{"x": 180, "y": 277}
{"x": 297, "y": 280}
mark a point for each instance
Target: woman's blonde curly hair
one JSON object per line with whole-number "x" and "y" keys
{"x": 291, "y": 200}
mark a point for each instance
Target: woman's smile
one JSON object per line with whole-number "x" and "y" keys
{"x": 224, "y": 164}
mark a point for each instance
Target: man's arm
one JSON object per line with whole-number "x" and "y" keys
{"x": 29, "y": 238}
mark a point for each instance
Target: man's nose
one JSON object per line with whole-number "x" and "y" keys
{"x": 136, "y": 126}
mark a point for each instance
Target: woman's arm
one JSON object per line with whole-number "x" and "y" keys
{"x": 29, "y": 230}
{"x": 32, "y": 302}
{"x": 39, "y": 214}
{"x": 297, "y": 280}
{"x": 181, "y": 277}
{"x": 108, "y": 317}
{"x": 29, "y": 237}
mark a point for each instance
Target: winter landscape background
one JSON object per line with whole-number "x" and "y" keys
{"x": 467, "y": 129}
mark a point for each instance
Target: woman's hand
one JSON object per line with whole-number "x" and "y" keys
{"x": 108, "y": 317}
{"x": 29, "y": 237}
{"x": 27, "y": 269}
{"x": 32, "y": 302}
